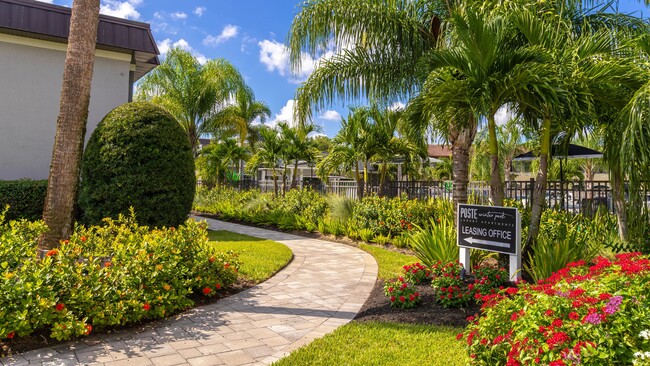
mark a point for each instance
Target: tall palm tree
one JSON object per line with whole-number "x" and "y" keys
{"x": 379, "y": 47}
{"x": 63, "y": 180}
{"x": 510, "y": 142}
{"x": 299, "y": 147}
{"x": 348, "y": 148}
{"x": 242, "y": 116}
{"x": 268, "y": 153}
{"x": 489, "y": 67}
{"x": 192, "y": 92}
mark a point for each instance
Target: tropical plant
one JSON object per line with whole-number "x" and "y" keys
{"x": 217, "y": 161}
{"x": 435, "y": 244}
{"x": 63, "y": 182}
{"x": 191, "y": 92}
{"x": 267, "y": 154}
{"x": 379, "y": 46}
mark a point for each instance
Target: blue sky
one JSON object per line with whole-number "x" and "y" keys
{"x": 248, "y": 33}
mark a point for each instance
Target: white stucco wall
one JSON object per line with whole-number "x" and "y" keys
{"x": 30, "y": 87}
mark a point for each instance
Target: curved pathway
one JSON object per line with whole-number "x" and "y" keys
{"x": 321, "y": 289}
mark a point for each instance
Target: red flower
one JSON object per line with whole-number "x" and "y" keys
{"x": 417, "y": 294}
{"x": 218, "y": 286}
{"x": 557, "y": 363}
{"x": 402, "y": 298}
{"x": 107, "y": 264}
{"x": 557, "y": 323}
{"x": 89, "y": 328}
{"x": 412, "y": 297}
{"x": 146, "y": 306}
{"x": 83, "y": 238}
{"x": 484, "y": 341}
{"x": 459, "y": 336}
{"x": 206, "y": 291}
{"x": 212, "y": 259}
{"x": 512, "y": 290}
{"x": 11, "y": 335}
{"x": 549, "y": 312}
{"x": 226, "y": 265}
{"x": 60, "y": 307}
{"x": 392, "y": 299}
{"x": 574, "y": 316}
{"x": 52, "y": 252}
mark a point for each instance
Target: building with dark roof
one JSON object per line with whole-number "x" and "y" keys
{"x": 33, "y": 41}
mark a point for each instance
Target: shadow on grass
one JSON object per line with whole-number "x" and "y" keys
{"x": 224, "y": 235}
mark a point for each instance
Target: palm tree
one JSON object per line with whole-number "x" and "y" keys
{"x": 301, "y": 147}
{"x": 268, "y": 153}
{"x": 242, "y": 117}
{"x": 380, "y": 45}
{"x": 192, "y": 92}
{"x": 489, "y": 68}
{"x": 510, "y": 142}
{"x": 347, "y": 149}
{"x": 63, "y": 180}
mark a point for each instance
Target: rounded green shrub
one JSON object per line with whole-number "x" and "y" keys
{"x": 139, "y": 156}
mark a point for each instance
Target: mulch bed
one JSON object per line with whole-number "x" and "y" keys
{"x": 377, "y": 308}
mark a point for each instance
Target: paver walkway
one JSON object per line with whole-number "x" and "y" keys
{"x": 321, "y": 289}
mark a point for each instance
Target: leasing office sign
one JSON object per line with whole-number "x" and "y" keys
{"x": 496, "y": 229}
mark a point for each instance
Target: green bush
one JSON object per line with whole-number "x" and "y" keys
{"x": 116, "y": 274}
{"x": 140, "y": 157}
{"x": 25, "y": 198}
{"x": 391, "y": 216}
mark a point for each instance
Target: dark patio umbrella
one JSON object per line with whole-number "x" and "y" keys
{"x": 562, "y": 152}
{"x": 572, "y": 152}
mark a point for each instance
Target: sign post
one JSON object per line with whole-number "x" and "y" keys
{"x": 491, "y": 228}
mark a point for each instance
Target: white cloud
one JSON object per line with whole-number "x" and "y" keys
{"x": 331, "y": 116}
{"x": 121, "y": 9}
{"x": 167, "y": 44}
{"x": 200, "y": 10}
{"x": 179, "y": 15}
{"x": 504, "y": 114}
{"x": 46, "y": 1}
{"x": 158, "y": 15}
{"x": 285, "y": 115}
{"x": 228, "y": 32}
{"x": 275, "y": 56}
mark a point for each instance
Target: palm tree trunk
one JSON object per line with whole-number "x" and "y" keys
{"x": 284, "y": 180}
{"x": 619, "y": 204}
{"x": 67, "y": 152}
{"x": 382, "y": 179}
{"x": 461, "y": 140}
{"x": 365, "y": 176}
{"x": 360, "y": 181}
{"x": 540, "y": 190}
{"x": 294, "y": 178}
{"x": 275, "y": 182}
{"x": 496, "y": 186}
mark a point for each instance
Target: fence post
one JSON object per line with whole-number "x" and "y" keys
{"x": 532, "y": 192}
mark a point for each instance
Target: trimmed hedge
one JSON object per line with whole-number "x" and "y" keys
{"x": 25, "y": 197}
{"x": 139, "y": 156}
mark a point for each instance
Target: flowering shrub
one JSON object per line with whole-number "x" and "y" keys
{"x": 450, "y": 289}
{"x": 416, "y": 273}
{"x": 488, "y": 278}
{"x": 591, "y": 314}
{"x": 402, "y": 294}
{"x": 115, "y": 274}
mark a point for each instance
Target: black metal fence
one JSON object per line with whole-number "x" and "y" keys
{"x": 577, "y": 197}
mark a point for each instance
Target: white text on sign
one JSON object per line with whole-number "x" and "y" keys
{"x": 491, "y": 233}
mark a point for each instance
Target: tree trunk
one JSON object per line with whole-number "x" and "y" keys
{"x": 284, "y": 180}
{"x": 618, "y": 193}
{"x": 360, "y": 181}
{"x": 67, "y": 152}
{"x": 275, "y": 182}
{"x": 507, "y": 169}
{"x": 366, "y": 176}
{"x": 382, "y": 180}
{"x": 496, "y": 186}
{"x": 461, "y": 140}
{"x": 540, "y": 190}
{"x": 294, "y": 178}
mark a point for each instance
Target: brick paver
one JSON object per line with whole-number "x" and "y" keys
{"x": 322, "y": 288}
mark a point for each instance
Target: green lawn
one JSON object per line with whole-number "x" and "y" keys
{"x": 378, "y": 344}
{"x": 390, "y": 262}
{"x": 259, "y": 258}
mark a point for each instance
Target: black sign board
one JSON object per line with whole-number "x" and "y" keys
{"x": 492, "y": 228}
